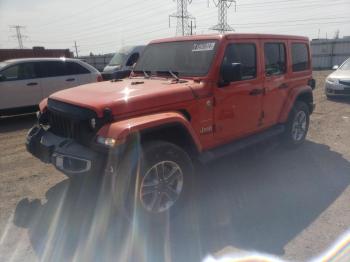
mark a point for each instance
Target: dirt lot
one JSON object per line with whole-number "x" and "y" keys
{"x": 292, "y": 204}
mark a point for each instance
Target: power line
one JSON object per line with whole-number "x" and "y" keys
{"x": 183, "y": 18}
{"x": 76, "y": 49}
{"x": 222, "y": 26}
{"x": 109, "y": 16}
{"x": 18, "y": 35}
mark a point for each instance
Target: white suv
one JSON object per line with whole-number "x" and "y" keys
{"x": 25, "y": 82}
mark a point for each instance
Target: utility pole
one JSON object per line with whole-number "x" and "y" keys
{"x": 76, "y": 49}
{"x": 222, "y": 26}
{"x": 183, "y": 18}
{"x": 18, "y": 35}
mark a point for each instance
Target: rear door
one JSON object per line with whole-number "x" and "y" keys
{"x": 276, "y": 81}
{"x": 238, "y": 105}
{"x": 20, "y": 86}
{"x": 55, "y": 77}
{"x": 81, "y": 74}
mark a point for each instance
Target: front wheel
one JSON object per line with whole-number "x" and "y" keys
{"x": 297, "y": 125}
{"x": 163, "y": 183}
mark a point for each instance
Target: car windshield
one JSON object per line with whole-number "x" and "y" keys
{"x": 346, "y": 65}
{"x": 3, "y": 64}
{"x": 186, "y": 58}
{"x": 120, "y": 56}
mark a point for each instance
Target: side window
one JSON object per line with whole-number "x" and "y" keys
{"x": 300, "y": 57}
{"x": 275, "y": 59}
{"x": 52, "y": 69}
{"x": 132, "y": 59}
{"x": 20, "y": 72}
{"x": 245, "y": 55}
{"x": 10, "y": 73}
{"x": 73, "y": 68}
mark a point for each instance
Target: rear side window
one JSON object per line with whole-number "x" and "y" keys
{"x": 52, "y": 68}
{"x": 300, "y": 57}
{"x": 73, "y": 68}
{"x": 20, "y": 71}
{"x": 244, "y": 54}
{"x": 58, "y": 68}
{"x": 275, "y": 58}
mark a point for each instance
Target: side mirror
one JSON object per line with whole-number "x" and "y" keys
{"x": 230, "y": 72}
{"x": 335, "y": 67}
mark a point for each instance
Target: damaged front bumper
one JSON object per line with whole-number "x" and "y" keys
{"x": 65, "y": 154}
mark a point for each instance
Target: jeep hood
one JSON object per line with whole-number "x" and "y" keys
{"x": 129, "y": 95}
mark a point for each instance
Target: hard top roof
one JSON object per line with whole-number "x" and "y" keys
{"x": 231, "y": 36}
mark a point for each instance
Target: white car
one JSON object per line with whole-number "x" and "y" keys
{"x": 338, "y": 83}
{"x": 25, "y": 82}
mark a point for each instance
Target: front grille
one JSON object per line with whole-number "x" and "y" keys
{"x": 345, "y": 83}
{"x": 64, "y": 126}
{"x": 70, "y": 121}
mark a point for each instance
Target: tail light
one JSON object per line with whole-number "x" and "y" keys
{"x": 99, "y": 78}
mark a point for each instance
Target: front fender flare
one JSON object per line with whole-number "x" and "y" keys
{"x": 120, "y": 130}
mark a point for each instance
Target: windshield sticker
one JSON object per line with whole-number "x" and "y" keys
{"x": 198, "y": 47}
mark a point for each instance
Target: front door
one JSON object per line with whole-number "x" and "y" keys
{"x": 20, "y": 86}
{"x": 238, "y": 105}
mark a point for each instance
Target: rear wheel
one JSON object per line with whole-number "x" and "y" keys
{"x": 297, "y": 125}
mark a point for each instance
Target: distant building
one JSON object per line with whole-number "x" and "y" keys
{"x": 329, "y": 52}
{"x": 36, "y": 51}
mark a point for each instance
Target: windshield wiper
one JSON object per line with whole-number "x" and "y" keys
{"x": 139, "y": 71}
{"x": 145, "y": 73}
{"x": 174, "y": 75}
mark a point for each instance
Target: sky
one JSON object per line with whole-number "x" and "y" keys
{"x": 103, "y": 26}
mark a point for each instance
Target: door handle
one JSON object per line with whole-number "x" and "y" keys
{"x": 283, "y": 86}
{"x": 256, "y": 92}
{"x": 32, "y": 84}
{"x": 70, "y": 79}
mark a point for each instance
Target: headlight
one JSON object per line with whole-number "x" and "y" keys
{"x": 106, "y": 141}
{"x": 332, "y": 80}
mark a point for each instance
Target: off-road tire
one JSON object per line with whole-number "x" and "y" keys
{"x": 137, "y": 165}
{"x": 291, "y": 139}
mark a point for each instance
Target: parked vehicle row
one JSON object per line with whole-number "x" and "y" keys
{"x": 25, "y": 82}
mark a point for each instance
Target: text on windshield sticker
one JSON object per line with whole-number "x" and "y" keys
{"x": 198, "y": 47}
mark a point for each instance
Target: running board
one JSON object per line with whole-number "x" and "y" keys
{"x": 235, "y": 146}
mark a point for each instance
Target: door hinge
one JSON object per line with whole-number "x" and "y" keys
{"x": 261, "y": 119}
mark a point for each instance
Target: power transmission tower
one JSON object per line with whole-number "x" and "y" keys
{"x": 18, "y": 35}
{"x": 184, "y": 18}
{"x": 76, "y": 48}
{"x": 222, "y": 26}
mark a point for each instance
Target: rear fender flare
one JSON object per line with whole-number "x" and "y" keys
{"x": 292, "y": 97}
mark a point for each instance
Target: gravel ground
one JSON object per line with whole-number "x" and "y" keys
{"x": 292, "y": 204}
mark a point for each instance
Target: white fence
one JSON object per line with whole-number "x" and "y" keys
{"x": 329, "y": 52}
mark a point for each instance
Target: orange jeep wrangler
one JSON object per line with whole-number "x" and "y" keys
{"x": 188, "y": 98}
